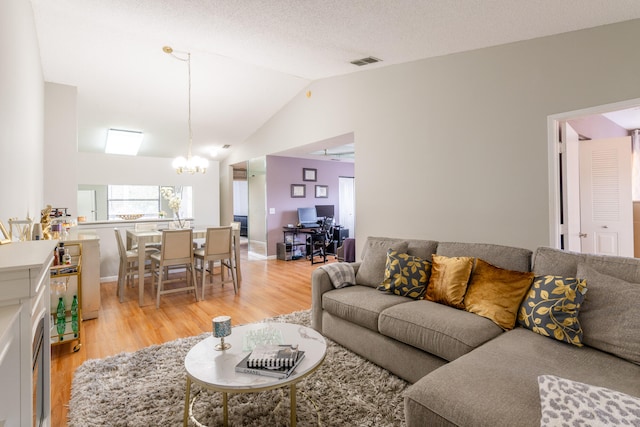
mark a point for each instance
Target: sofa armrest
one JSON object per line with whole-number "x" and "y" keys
{"x": 320, "y": 283}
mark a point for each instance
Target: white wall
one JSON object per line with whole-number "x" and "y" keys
{"x": 21, "y": 113}
{"x": 455, "y": 147}
{"x": 75, "y": 168}
{"x": 60, "y": 147}
{"x": 97, "y": 169}
{"x": 65, "y": 168}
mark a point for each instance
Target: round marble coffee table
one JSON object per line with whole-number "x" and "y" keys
{"x": 215, "y": 370}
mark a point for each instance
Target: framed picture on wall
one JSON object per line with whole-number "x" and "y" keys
{"x": 298, "y": 190}
{"x": 322, "y": 191}
{"x": 309, "y": 174}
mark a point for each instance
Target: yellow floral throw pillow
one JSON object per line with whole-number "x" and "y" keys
{"x": 551, "y": 308}
{"x": 405, "y": 275}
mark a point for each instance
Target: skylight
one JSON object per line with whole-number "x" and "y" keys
{"x": 125, "y": 142}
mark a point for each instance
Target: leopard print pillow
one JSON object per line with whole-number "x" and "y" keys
{"x": 568, "y": 403}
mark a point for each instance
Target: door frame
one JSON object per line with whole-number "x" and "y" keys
{"x": 553, "y": 164}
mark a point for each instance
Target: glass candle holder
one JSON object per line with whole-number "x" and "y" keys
{"x": 221, "y": 328}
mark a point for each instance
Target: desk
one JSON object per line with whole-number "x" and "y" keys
{"x": 142, "y": 237}
{"x": 314, "y": 235}
{"x": 291, "y": 248}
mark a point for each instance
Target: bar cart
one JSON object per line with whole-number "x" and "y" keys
{"x": 66, "y": 296}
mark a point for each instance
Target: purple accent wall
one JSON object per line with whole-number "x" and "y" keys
{"x": 284, "y": 171}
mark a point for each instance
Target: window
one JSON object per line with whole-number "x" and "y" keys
{"x": 146, "y": 200}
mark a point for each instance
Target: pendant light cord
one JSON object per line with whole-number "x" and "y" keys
{"x": 190, "y": 133}
{"x": 191, "y": 164}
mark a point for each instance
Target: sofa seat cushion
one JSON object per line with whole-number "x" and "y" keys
{"x": 507, "y": 257}
{"x": 360, "y": 304}
{"x": 497, "y": 384}
{"x": 438, "y": 329}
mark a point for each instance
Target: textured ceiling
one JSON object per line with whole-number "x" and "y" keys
{"x": 250, "y": 57}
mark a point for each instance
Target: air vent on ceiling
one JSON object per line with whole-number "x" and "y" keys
{"x": 365, "y": 61}
{"x": 225, "y": 146}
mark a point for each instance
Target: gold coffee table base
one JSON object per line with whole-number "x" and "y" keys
{"x": 188, "y": 404}
{"x": 215, "y": 370}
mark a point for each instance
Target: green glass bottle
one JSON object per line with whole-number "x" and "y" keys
{"x": 74, "y": 316}
{"x": 61, "y": 318}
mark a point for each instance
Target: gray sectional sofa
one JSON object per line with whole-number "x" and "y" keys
{"x": 466, "y": 370}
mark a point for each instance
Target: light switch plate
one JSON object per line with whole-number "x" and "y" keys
{"x": 272, "y": 211}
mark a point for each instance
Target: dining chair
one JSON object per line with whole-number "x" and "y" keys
{"x": 128, "y": 268}
{"x": 147, "y": 226}
{"x": 236, "y": 226}
{"x": 174, "y": 226}
{"x": 177, "y": 250}
{"x": 218, "y": 246}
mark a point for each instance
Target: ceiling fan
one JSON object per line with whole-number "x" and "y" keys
{"x": 336, "y": 152}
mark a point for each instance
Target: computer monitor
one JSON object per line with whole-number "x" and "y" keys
{"x": 307, "y": 217}
{"x": 325, "y": 211}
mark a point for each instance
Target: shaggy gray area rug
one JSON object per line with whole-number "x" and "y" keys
{"x": 147, "y": 388}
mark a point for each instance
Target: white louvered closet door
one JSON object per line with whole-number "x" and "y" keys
{"x": 606, "y": 209}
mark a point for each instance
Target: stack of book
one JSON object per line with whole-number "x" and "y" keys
{"x": 277, "y": 361}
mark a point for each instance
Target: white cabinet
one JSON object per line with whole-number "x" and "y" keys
{"x": 9, "y": 365}
{"x": 24, "y": 302}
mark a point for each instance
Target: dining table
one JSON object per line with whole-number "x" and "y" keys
{"x": 143, "y": 237}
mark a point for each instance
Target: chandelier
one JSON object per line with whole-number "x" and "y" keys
{"x": 192, "y": 164}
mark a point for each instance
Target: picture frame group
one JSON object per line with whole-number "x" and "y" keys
{"x": 309, "y": 174}
{"x": 322, "y": 191}
{"x": 298, "y": 190}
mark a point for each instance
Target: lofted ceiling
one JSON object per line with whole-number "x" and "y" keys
{"x": 628, "y": 119}
{"x": 250, "y": 58}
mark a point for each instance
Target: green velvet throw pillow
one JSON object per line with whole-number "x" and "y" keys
{"x": 551, "y": 308}
{"x": 405, "y": 275}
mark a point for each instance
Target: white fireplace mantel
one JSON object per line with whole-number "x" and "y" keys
{"x": 24, "y": 300}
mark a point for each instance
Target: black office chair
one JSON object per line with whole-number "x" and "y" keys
{"x": 321, "y": 240}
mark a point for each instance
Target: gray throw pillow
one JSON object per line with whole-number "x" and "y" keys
{"x": 371, "y": 271}
{"x": 610, "y": 314}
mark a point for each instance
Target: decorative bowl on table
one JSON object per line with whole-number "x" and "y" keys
{"x": 130, "y": 217}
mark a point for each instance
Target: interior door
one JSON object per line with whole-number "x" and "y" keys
{"x": 87, "y": 204}
{"x": 605, "y": 197}
{"x": 347, "y": 200}
{"x": 570, "y": 191}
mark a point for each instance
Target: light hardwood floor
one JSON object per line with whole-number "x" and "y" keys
{"x": 268, "y": 288}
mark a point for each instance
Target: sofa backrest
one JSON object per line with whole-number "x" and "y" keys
{"x": 609, "y": 316}
{"x": 507, "y": 257}
{"x": 420, "y": 248}
{"x": 565, "y": 263}
{"x": 374, "y": 256}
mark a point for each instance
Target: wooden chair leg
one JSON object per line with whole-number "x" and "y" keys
{"x": 192, "y": 267}
{"x": 234, "y": 275}
{"x": 121, "y": 280}
{"x": 203, "y": 271}
{"x": 160, "y": 274}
